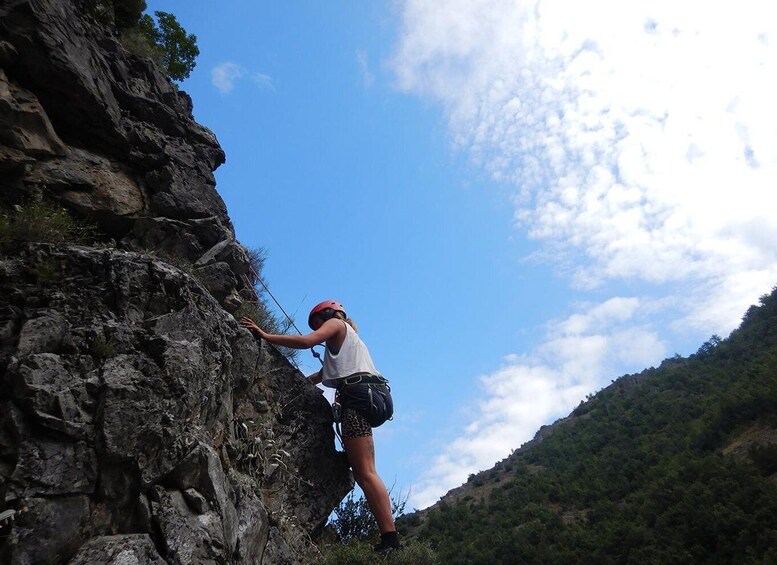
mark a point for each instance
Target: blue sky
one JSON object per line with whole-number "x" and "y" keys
{"x": 517, "y": 201}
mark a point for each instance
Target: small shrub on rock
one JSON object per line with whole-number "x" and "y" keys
{"x": 43, "y": 222}
{"x": 263, "y": 318}
{"x": 360, "y": 552}
{"x": 165, "y": 41}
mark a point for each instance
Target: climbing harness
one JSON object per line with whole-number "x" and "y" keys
{"x": 337, "y": 416}
{"x": 368, "y": 395}
{"x": 337, "y": 411}
{"x": 363, "y": 378}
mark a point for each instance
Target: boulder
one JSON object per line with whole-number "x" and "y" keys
{"x": 130, "y": 549}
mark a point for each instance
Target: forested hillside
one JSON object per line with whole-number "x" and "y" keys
{"x": 675, "y": 465}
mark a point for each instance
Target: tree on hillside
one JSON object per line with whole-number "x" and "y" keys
{"x": 675, "y": 464}
{"x": 162, "y": 39}
{"x": 178, "y": 50}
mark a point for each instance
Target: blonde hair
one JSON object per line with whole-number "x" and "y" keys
{"x": 349, "y": 321}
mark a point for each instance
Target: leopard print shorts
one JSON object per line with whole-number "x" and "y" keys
{"x": 354, "y": 425}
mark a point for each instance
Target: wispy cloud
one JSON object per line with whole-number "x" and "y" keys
{"x": 226, "y": 75}
{"x": 263, "y": 81}
{"x": 642, "y": 147}
{"x": 364, "y": 65}
{"x": 529, "y": 391}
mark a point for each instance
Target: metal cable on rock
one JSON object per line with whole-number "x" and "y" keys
{"x": 315, "y": 353}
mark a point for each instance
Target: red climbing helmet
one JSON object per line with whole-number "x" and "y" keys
{"x": 333, "y": 304}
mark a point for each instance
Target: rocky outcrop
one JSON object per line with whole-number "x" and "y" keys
{"x": 104, "y": 132}
{"x": 139, "y": 423}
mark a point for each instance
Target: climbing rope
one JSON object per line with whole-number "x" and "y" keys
{"x": 315, "y": 353}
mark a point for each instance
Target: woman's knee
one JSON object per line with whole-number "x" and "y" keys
{"x": 365, "y": 476}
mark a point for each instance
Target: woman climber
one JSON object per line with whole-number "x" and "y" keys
{"x": 363, "y": 393}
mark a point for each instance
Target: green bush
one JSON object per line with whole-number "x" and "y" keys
{"x": 43, "y": 222}
{"x": 765, "y": 458}
{"x": 135, "y": 41}
{"x": 45, "y": 270}
{"x": 179, "y": 49}
{"x": 102, "y": 348}
{"x": 359, "y": 552}
{"x": 353, "y": 518}
{"x": 163, "y": 40}
{"x": 257, "y": 256}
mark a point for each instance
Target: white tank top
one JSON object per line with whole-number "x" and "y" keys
{"x": 352, "y": 358}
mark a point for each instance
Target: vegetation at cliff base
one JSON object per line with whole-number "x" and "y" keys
{"x": 360, "y": 552}
{"x": 353, "y": 519}
{"x": 352, "y": 530}
{"x": 674, "y": 465}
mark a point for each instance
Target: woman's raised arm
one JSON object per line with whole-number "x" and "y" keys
{"x": 327, "y": 331}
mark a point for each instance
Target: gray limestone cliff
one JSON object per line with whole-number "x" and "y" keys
{"x": 139, "y": 423}
{"x": 104, "y": 132}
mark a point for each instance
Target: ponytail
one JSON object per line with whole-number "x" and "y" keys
{"x": 339, "y": 315}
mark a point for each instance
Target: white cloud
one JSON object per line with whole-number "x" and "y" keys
{"x": 226, "y": 75}
{"x": 641, "y": 140}
{"x": 529, "y": 391}
{"x": 264, "y": 81}
{"x": 644, "y": 138}
{"x": 364, "y": 66}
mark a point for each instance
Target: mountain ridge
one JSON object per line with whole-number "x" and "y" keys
{"x": 628, "y": 474}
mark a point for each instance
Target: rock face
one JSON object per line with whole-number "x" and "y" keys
{"x": 139, "y": 423}
{"x": 104, "y": 132}
{"x": 138, "y": 418}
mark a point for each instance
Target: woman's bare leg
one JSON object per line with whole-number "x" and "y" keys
{"x": 361, "y": 455}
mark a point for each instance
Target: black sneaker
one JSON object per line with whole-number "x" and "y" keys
{"x": 384, "y": 548}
